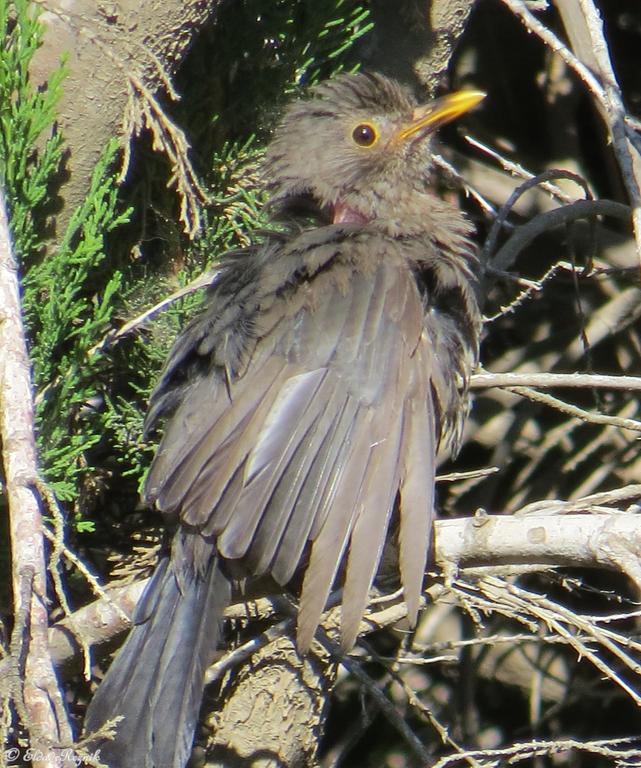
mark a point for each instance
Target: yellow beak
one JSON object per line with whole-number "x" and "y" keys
{"x": 428, "y": 117}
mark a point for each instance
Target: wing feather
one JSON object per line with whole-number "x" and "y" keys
{"x": 284, "y": 428}
{"x": 378, "y": 493}
{"x": 311, "y": 438}
{"x": 296, "y": 400}
{"x": 327, "y": 549}
{"x": 370, "y": 530}
{"x": 418, "y": 457}
{"x": 286, "y": 515}
{"x": 174, "y": 472}
{"x": 309, "y": 510}
{"x": 228, "y": 446}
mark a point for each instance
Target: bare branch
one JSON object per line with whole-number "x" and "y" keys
{"x": 607, "y": 540}
{"x": 208, "y": 278}
{"x": 576, "y": 412}
{"x": 516, "y": 169}
{"x": 520, "y": 10}
{"x": 607, "y": 93}
{"x": 382, "y": 701}
{"x": 486, "y": 379}
{"x": 47, "y": 722}
{"x": 589, "y": 22}
{"x": 530, "y": 183}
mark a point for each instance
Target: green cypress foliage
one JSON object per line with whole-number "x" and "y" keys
{"x": 68, "y": 287}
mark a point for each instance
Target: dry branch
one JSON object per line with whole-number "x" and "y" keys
{"x": 558, "y": 380}
{"x": 525, "y": 234}
{"x": 587, "y": 26}
{"x": 623, "y": 751}
{"x": 43, "y": 714}
{"x": 603, "y": 540}
{"x": 539, "y": 541}
{"x": 605, "y": 91}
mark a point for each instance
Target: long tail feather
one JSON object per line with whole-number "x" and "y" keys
{"x": 156, "y": 681}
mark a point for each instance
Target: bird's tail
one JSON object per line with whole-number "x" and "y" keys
{"x": 156, "y": 681}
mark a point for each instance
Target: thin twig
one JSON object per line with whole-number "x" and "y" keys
{"x": 532, "y": 287}
{"x": 583, "y": 504}
{"x": 613, "y": 749}
{"x": 382, "y": 701}
{"x": 145, "y": 111}
{"x": 420, "y": 707}
{"x": 243, "y": 652}
{"x": 207, "y": 279}
{"x": 520, "y": 10}
{"x": 451, "y": 477}
{"x": 534, "y": 181}
{"x": 470, "y": 190}
{"x": 516, "y": 169}
{"x": 575, "y": 411}
{"x": 523, "y": 236}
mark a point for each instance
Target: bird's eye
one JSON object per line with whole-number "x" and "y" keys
{"x": 365, "y": 135}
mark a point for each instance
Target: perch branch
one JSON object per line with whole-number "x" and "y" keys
{"x": 539, "y": 541}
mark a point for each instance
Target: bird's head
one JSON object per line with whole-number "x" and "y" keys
{"x": 358, "y": 143}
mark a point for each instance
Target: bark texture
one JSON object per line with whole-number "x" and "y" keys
{"x": 273, "y": 709}
{"x": 414, "y": 40}
{"x": 117, "y": 52}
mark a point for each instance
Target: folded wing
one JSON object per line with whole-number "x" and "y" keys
{"x": 331, "y": 416}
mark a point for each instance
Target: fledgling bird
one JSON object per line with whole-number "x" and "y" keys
{"x": 305, "y": 400}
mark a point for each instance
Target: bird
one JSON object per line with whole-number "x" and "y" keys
{"x": 305, "y": 403}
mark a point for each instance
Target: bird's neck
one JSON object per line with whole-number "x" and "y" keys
{"x": 408, "y": 213}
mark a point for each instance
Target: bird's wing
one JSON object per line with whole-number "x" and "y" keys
{"x": 332, "y": 415}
